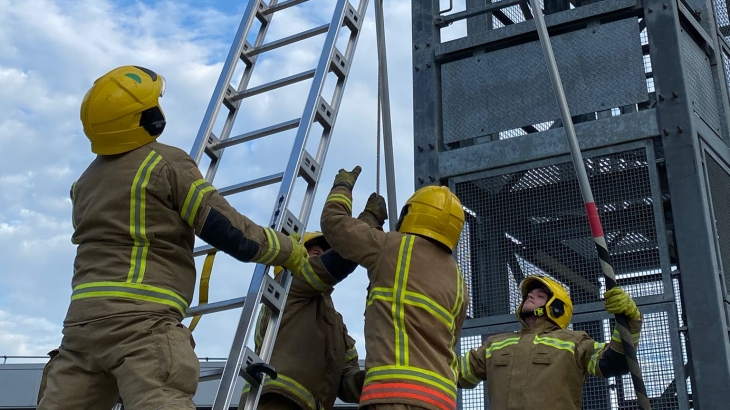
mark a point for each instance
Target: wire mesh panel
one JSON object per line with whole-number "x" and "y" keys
{"x": 720, "y": 194}
{"x": 533, "y": 222}
{"x": 721, "y": 17}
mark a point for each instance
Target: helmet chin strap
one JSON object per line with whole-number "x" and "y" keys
{"x": 540, "y": 311}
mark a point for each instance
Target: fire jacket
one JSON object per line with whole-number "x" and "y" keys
{"x": 314, "y": 356}
{"x": 415, "y": 308}
{"x": 543, "y": 366}
{"x": 135, "y": 217}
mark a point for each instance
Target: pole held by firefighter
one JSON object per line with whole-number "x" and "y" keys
{"x": 590, "y": 205}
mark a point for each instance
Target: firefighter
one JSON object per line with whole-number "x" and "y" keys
{"x": 135, "y": 211}
{"x": 546, "y": 362}
{"x": 314, "y": 356}
{"x": 416, "y": 297}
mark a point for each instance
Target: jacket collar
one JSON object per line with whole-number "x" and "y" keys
{"x": 542, "y": 325}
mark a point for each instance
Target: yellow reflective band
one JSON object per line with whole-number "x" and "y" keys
{"x": 259, "y": 336}
{"x": 290, "y": 385}
{"x": 399, "y": 292}
{"x": 411, "y": 373}
{"x": 431, "y": 306}
{"x": 593, "y": 362}
{"x": 351, "y": 354}
{"x": 313, "y": 279}
{"x": 466, "y": 371}
{"x": 556, "y": 343}
{"x": 501, "y": 344}
{"x": 137, "y": 216}
{"x": 197, "y": 191}
{"x": 343, "y": 199}
{"x": 274, "y": 247}
{"x": 616, "y": 337}
{"x": 127, "y": 290}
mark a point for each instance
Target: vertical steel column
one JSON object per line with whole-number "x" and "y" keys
{"x": 701, "y": 288}
{"x": 426, "y": 93}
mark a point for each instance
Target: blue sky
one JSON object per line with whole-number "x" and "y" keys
{"x": 50, "y": 53}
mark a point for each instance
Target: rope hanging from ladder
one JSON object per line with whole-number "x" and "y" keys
{"x": 604, "y": 255}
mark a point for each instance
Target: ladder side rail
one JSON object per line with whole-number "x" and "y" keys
{"x": 233, "y": 364}
{"x": 224, "y": 80}
{"x": 336, "y": 101}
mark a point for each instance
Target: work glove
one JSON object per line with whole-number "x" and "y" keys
{"x": 347, "y": 179}
{"x": 376, "y": 207}
{"x": 618, "y": 302}
{"x": 297, "y": 257}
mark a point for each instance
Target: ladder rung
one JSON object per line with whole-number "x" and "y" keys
{"x": 202, "y": 250}
{"x": 289, "y": 40}
{"x": 292, "y": 79}
{"x": 215, "y": 307}
{"x": 281, "y": 6}
{"x": 213, "y": 374}
{"x": 253, "y": 184}
{"x": 263, "y": 132}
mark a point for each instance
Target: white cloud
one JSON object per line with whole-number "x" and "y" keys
{"x": 50, "y": 53}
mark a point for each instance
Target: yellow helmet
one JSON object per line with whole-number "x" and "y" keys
{"x": 315, "y": 238}
{"x": 310, "y": 239}
{"x": 120, "y": 112}
{"x": 559, "y": 307}
{"x": 434, "y": 212}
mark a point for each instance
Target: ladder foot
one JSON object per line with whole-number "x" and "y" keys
{"x": 254, "y": 370}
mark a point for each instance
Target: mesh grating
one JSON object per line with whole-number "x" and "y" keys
{"x": 720, "y": 194}
{"x": 726, "y": 65}
{"x": 533, "y": 222}
{"x": 721, "y": 17}
{"x": 655, "y": 357}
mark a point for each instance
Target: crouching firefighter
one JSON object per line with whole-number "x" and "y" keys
{"x": 546, "y": 362}
{"x": 416, "y": 297}
{"x": 135, "y": 212}
{"x": 314, "y": 356}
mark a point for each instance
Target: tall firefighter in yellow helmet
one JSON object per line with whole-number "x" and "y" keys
{"x": 416, "y": 298}
{"x": 545, "y": 364}
{"x": 136, "y": 211}
{"x": 315, "y": 357}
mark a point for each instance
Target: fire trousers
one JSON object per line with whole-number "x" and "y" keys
{"x": 147, "y": 360}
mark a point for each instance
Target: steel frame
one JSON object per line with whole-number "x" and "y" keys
{"x": 680, "y": 171}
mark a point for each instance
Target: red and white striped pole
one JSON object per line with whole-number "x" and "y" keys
{"x": 585, "y": 187}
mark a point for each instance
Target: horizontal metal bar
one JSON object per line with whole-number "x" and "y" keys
{"x": 443, "y": 21}
{"x": 551, "y": 143}
{"x": 489, "y": 37}
{"x": 283, "y": 82}
{"x": 289, "y": 40}
{"x": 215, "y": 307}
{"x": 281, "y": 6}
{"x": 213, "y": 374}
{"x": 202, "y": 250}
{"x": 263, "y": 132}
{"x": 253, "y": 184}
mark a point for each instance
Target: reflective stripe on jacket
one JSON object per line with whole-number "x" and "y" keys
{"x": 416, "y": 306}
{"x": 532, "y": 367}
{"x": 135, "y": 217}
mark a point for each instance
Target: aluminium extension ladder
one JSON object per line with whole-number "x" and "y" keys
{"x": 263, "y": 288}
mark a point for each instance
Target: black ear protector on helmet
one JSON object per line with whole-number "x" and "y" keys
{"x": 403, "y": 213}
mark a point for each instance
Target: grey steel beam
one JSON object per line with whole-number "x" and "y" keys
{"x": 701, "y": 288}
{"x": 426, "y": 95}
{"x": 546, "y": 144}
{"x": 590, "y": 11}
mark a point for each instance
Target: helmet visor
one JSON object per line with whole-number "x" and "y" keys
{"x": 162, "y": 87}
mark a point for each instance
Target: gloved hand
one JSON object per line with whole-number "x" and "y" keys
{"x": 298, "y": 257}
{"x": 618, "y": 302}
{"x": 376, "y": 206}
{"x": 347, "y": 179}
